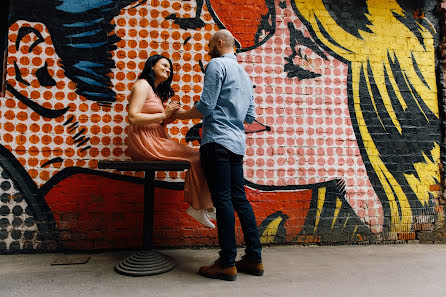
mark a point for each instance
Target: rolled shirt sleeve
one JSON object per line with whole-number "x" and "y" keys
{"x": 250, "y": 116}
{"x": 211, "y": 89}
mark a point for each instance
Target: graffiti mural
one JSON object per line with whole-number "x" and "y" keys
{"x": 345, "y": 146}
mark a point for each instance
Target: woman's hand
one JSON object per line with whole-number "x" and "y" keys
{"x": 170, "y": 109}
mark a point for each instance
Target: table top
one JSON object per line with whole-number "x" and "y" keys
{"x": 144, "y": 165}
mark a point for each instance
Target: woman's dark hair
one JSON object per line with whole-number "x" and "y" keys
{"x": 164, "y": 90}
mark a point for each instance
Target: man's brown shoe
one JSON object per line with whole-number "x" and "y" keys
{"x": 217, "y": 271}
{"x": 247, "y": 266}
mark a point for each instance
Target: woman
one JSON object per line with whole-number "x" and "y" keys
{"x": 148, "y": 139}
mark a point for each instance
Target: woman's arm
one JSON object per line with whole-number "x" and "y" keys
{"x": 138, "y": 95}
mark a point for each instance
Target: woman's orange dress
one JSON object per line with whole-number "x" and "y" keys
{"x": 151, "y": 142}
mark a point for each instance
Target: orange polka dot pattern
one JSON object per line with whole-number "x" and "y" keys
{"x": 311, "y": 138}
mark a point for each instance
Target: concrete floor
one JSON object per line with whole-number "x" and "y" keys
{"x": 359, "y": 271}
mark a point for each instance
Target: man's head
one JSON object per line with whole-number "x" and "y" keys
{"x": 222, "y": 42}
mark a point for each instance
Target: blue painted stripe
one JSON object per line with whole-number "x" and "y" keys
{"x": 89, "y": 33}
{"x": 90, "y": 81}
{"x": 82, "y": 24}
{"x": 78, "y": 6}
{"x": 87, "y": 45}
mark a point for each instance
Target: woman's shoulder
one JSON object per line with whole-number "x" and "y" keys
{"x": 142, "y": 83}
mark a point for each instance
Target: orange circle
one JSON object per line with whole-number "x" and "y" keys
{"x": 24, "y": 49}
{"x": 105, "y": 152}
{"x": 46, "y": 139}
{"x": 132, "y": 54}
{"x": 133, "y": 33}
{"x": 93, "y": 163}
{"x": 49, "y": 51}
{"x": 117, "y": 141}
{"x": 121, "y": 43}
{"x": 117, "y": 130}
{"x": 131, "y": 75}
{"x": 131, "y": 65}
{"x": 118, "y": 118}
{"x": 187, "y": 56}
{"x": 44, "y": 175}
{"x": 165, "y": 45}
{"x": 69, "y": 163}
{"x": 154, "y": 44}
{"x": 83, "y": 118}
{"x": 95, "y": 129}
{"x": 153, "y": 35}
{"x": 14, "y": 27}
{"x": 37, "y": 50}
{"x": 69, "y": 152}
{"x": 10, "y": 103}
{"x": 121, "y": 22}
{"x": 117, "y": 152}
{"x": 120, "y": 75}
{"x": 186, "y": 88}
{"x": 105, "y": 140}
{"x": 59, "y": 129}
{"x": 34, "y": 139}
{"x": 154, "y": 24}
{"x": 72, "y": 96}
{"x": 133, "y": 22}
{"x": 144, "y": 23}
{"x": 20, "y": 150}
{"x": 197, "y": 89}
{"x": 106, "y": 118}
{"x": 34, "y": 116}
{"x": 33, "y": 162}
{"x": 186, "y": 78}
{"x": 20, "y": 139}
{"x": 106, "y": 129}
{"x": 94, "y": 140}
{"x": 47, "y": 128}
{"x": 58, "y": 140}
{"x": 60, "y": 95}
{"x": 24, "y": 60}
{"x": 121, "y": 33}
{"x": 143, "y": 55}
{"x": 57, "y": 151}
{"x": 143, "y": 44}
{"x": 161, "y": 175}
{"x": 39, "y": 27}
{"x": 33, "y": 151}
{"x": 9, "y": 115}
{"x": 33, "y": 173}
{"x": 34, "y": 128}
{"x": 120, "y": 87}
{"x": 60, "y": 73}
{"x": 22, "y": 128}
{"x": 8, "y": 137}
{"x": 22, "y": 116}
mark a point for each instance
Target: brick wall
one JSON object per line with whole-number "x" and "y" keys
{"x": 345, "y": 147}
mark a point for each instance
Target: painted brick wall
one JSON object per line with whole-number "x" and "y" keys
{"x": 345, "y": 147}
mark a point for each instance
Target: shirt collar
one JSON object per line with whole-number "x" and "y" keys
{"x": 230, "y": 55}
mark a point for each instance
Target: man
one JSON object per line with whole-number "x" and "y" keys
{"x": 225, "y": 104}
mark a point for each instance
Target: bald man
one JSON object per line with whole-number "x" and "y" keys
{"x": 225, "y": 104}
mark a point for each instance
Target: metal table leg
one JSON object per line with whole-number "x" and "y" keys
{"x": 147, "y": 261}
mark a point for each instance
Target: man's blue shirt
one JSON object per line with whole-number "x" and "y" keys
{"x": 226, "y": 102}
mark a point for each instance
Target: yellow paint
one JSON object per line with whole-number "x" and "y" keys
{"x": 320, "y": 204}
{"x": 270, "y": 231}
{"x": 337, "y": 210}
{"x": 378, "y": 49}
{"x": 428, "y": 175}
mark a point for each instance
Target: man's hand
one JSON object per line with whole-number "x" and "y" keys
{"x": 192, "y": 113}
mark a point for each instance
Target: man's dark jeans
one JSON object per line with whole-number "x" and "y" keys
{"x": 224, "y": 173}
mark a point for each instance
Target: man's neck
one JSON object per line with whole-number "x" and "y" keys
{"x": 229, "y": 51}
